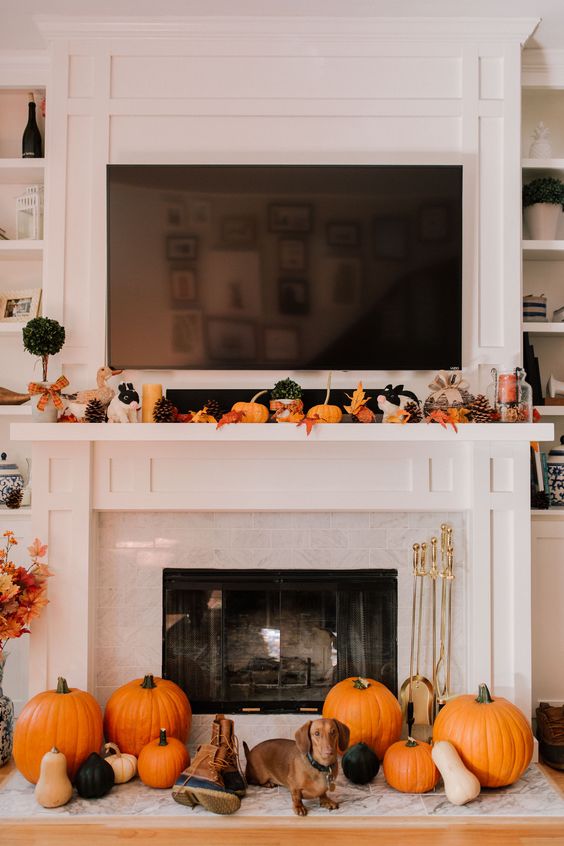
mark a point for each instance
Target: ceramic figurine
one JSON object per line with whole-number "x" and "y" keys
{"x": 393, "y": 399}
{"x": 10, "y": 478}
{"x": 8, "y": 397}
{"x": 76, "y": 403}
{"x": 123, "y": 408}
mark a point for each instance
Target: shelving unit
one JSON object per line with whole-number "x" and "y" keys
{"x": 24, "y": 250}
{"x": 18, "y": 171}
{"x": 538, "y": 328}
{"x": 15, "y": 410}
{"x": 550, "y": 410}
{"x": 543, "y": 250}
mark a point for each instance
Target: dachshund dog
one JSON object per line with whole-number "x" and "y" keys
{"x": 307, "y": 766}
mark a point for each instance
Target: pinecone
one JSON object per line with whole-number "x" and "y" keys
{"x": 164, "y": 411}
{"x": 95, "y": 412}
{"x": 213, "y": 408}
{"x": 14, "y": 498}
{"x": 414, "y": 411}
{"x": 480, "y": 410}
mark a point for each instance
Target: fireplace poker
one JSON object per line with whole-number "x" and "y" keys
{"x": 406, "y": 691}
{"x": 450, "y": 578}
{"x": 423, "y": 692}
{"x": 433, "y": 573}
{"x": 440, "y": 670}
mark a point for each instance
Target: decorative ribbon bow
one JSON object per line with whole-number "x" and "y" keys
{"x": 279, "y": 409}
{"x": 49, "y": 392}
{"x": 449, "y": 385}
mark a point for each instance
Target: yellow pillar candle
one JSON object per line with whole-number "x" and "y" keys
{"x": 151, "y": 393}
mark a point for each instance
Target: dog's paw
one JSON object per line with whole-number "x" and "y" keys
{"x": 325, "y": 802}
{"x": 300, "y": 810}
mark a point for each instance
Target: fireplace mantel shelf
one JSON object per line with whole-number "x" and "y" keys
{"x": 343, "y": 433}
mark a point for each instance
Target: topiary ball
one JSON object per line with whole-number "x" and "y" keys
{"x": 360, "y": 764}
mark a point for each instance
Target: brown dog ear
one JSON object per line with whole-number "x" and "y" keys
{"x": 303, "y": 740}
{"x": 344, "y": 735}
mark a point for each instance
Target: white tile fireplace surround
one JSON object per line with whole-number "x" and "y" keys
{"x": 204, "y": 484}
{"x": 134, "y": 548}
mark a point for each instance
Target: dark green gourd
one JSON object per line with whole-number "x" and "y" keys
{"x": 360, "y": 764}
{"x": 95, "y": 777}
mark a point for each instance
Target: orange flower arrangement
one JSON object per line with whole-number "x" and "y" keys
{"x": 22, "y": 589}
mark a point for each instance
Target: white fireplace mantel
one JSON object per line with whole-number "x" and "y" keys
{"x": 482, "y": 470}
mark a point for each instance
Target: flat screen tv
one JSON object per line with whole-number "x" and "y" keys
{"x": 258, "y": 267}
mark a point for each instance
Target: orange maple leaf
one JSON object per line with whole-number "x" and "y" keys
{"x": 358, "y": 400}
{"x": 439, "y": 416}
{"x": 230, "y": 417}
{"x": 309, "y": 422}
{"x": 401, "y": 416}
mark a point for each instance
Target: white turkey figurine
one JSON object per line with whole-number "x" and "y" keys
{"x": 76, "y": 403}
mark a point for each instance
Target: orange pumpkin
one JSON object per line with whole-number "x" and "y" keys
{"x": 409, "y": 767}
{"x": 253, "y": 412}
{"x": 326, "y": 413}
{"x": 367, "y": 707}
{"x": 492, "y": 736}
{"x": 161, "y": 761}
{"x": 137, "y": 711}
{"x": 67, "y": 718}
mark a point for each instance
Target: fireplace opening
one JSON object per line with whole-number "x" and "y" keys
{"x": 276, "y": 641}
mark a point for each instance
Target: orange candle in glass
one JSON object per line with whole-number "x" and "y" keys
{"x": 507, "y": 387}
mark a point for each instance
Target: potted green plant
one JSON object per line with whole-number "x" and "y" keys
{"x": 286, "y": 401}
{"x": 43, "y": 337}
{"x": 543, "y": 203}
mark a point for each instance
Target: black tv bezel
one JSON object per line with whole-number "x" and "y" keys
{"x": 241, "y": 366}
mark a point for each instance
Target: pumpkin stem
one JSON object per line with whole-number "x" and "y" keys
{"x": 484, "y": 696}
{"x": 327, "y": 395}
{"x": 148, "y": 682}
{"x": 62, "y": 686}
{"x": 162, "y": 739}
{"x": 55, "y": 751}
{"x": 256, "y": 396}
{"x": 361, "y": 684}
{"x": 411, "y": 742}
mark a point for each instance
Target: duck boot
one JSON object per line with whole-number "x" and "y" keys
{"x": 202, "y": 782}
{"x": 550, "y": 734}
{"x": 223, "y": 735}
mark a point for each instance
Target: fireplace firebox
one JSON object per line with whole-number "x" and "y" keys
{"x": 276, "y": 641}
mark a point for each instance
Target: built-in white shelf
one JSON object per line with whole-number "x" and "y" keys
{"x": 553, "y": 513}
{"x": 15, "y": 410}
{"x": 543, "y": 250}
{"x": 550, "y": 410}
{"x": 538, "y": 328}
{"x": 23, "y": 250}
{"x": 22, "y": 171}
{"x": 23, "y": 513}
{"x": 289, "y": 432}
{"x": 11, "y": 328}
{"x": 539, "y": 167}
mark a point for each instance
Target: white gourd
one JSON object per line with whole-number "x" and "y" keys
{"x": 53, "y": 788}
{"x": 461, "y": 786}
{"x": 123, "y": 765}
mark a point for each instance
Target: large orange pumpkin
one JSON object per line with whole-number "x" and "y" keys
{"x": 136, "y": 712}
{"x": 67, "y": 718}
{"x": 367, "y": 707}
{"x": 161, "y": 761}
{"x": 492, "y": 736}
{"x": 409, "y": 767}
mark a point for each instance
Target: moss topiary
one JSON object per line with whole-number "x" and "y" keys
{"x": 544, "y": 190}
{"x": 43, "y": 337}
{"x": 286, "y": 389}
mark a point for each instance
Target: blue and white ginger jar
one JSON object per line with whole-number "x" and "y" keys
{"x": 556, "y": 474}
{"x": 10, "y": 478}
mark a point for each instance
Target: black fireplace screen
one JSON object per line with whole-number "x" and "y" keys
{"x": 257, "y": 640}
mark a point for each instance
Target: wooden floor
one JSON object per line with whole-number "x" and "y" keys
{"x": 244, "y": 831}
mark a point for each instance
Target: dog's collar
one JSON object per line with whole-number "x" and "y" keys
{"x": 316, "y": 765}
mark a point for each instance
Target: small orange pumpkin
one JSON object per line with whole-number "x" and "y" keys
{"x": 409, "y": 767}
{"x": 326, "y": 413}
{"x": 136, "y": 712}
{"x": 66, "y": 718}
{"x": 161, "y": 761}
{"x": 369, "y": 709}
{"x": 253, "y": 411}
{"x": 492, "y": 736}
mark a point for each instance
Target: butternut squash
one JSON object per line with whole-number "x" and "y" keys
{"x": 53, "y": 788}
{"x": 461, "y": 786}
{"x": 123, "y": 765}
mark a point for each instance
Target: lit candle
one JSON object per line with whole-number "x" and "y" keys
{"x": 151, "y": 393}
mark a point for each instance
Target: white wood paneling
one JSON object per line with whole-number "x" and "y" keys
{"x": 547, "y": 617}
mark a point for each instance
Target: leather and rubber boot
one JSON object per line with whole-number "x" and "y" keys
{"x": 223, "y": 735}
{"x": 202, "y": 782}
{"x": 550, "y": 734}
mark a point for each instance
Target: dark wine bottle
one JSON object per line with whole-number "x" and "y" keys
{"x": 31, "y": 140}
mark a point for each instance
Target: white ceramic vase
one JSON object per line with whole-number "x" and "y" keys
{"x": 49, "y": 413}
{"x": 541, "y": 220}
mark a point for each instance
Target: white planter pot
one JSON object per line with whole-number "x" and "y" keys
{"x": 49, "y": 413}
{"x": 541, "y": 220}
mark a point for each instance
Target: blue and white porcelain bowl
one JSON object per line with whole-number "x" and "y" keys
{"x": 556, "y": 474}
{"x": 10, "y": 478}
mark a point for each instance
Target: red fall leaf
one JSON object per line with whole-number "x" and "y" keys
{"x": 230, "y": 417}
{"x": 309, "y": 422}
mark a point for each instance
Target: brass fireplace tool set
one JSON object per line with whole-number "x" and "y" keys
{"x": 420, "y": 697}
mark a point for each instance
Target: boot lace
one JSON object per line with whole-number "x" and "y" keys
{"x": 232, "y": 752}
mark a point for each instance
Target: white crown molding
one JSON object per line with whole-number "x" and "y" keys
{"x": 21, "y": 68}
{"x": 543, "y": 68}
{"x": 307, "y": 27}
